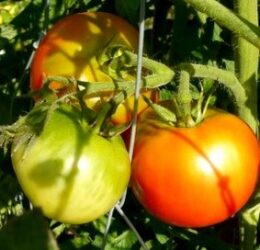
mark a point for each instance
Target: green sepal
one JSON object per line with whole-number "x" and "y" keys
{"x": 164, "y": 113}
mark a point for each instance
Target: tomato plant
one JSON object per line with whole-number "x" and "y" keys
{"x": 205, "y": 43}
{"x": 73, "y": 47}
{"x": 71, "y": 173}
{"x": 197, "y": 176}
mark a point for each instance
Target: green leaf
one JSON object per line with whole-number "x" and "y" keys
{"x": 128, "y": 9}
{"x": 124, "y": 241}
{"x": 100, "y": 224}
{"x": 162, "y": 238}
{"x": 10, "y": 9}
{"x": 166, "y": 94}
{"x": 81, "y": 240}
{"x": 217, "y": 33}
{"x": 78, "y": 241}
{"x": 27, "y": 232}
{"x": 8, "y": 32}
{"x": 8, "y": 188}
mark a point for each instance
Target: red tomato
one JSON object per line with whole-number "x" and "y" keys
{"x": 72, "y": 48}
{"x": 195, "y": 177}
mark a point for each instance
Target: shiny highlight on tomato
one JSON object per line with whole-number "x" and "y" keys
{"x": 72, "y": 48}
{"x": 195, "y": 177}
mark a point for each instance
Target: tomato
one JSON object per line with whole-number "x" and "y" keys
{"x": 198, "y": 176}
{"x": 72, "y": 48}
{"x": 71, "y": 173}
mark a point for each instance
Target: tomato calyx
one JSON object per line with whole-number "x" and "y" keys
{"x": 33, "y": 122}
{"x": 116, "y": 63}
{"x": 190, "y": 98}
{"x": 8, "y": 132}
{"x": 178, "y": 111}
{"x": 29, "y": 125}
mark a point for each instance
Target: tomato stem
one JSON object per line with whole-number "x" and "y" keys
{"x": 101, "y": 117}
{"x": 227, "y": 79}
{"x": 107, "y": 109}
{"x": 184, "y": 99}
{"x": 159, "y": 75}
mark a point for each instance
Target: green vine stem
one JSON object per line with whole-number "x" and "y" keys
{"x": 247, "y": 55}
{"x": 246, "y": 63}
{"x": 157, "y": 76}
{"x": 161, "y": 75}
{"x": 229, "y": 80}
{"x": 228, "y": 19}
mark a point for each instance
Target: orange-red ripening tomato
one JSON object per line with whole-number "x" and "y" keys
{"x": 72, "y": 47}
{"x": 195, "y": 177}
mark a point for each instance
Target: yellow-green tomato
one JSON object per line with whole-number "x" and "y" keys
{"x": 71, "y": 173}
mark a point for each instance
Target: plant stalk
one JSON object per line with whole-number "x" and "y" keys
{"x": 247, "y": 56}
{"x": 157, "y": 76}
{"x": 184, "y": 98}
{"x": 226, "y": 78}
{"x": 246, "y": 64}
{"x": 226, "y": 17}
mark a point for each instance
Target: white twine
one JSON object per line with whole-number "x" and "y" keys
{"x": 121, "y": 202}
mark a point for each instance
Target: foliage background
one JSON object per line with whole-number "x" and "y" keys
{"x": 175, "y": 33}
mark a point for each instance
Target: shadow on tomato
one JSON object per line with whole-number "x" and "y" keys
{"x": 195, "y": 177}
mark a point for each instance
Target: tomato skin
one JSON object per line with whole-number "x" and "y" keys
{"x": 72, "y": 47}
{"x": 195, "y": 177}
{"x": 72, "y": 174}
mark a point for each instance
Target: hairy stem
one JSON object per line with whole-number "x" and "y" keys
{"x": 229, "y": 80}
{"x": 247, "y": 56}
{"x": 224, "y": 16}
{"x": 158, "y": 75}
{"x": 184, "y": 98}
{"x": 246, "y": 64}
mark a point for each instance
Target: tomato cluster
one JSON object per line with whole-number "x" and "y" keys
{"x": 191, "y": 177}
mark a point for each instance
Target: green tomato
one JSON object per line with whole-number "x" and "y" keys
{"x": 68, "y": 171}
